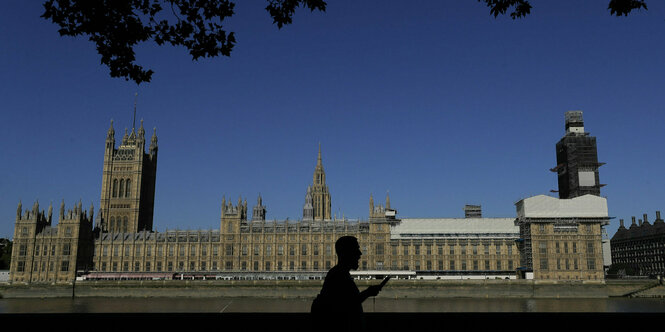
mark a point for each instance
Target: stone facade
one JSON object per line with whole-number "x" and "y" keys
{"x": 51, "y": 253}
{"x": 128, "y": 182}
{"x": 559, "y": 247}
{"x": 122, "y": 243}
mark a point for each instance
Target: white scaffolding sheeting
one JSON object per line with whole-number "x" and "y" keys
{"x": 542, "y": 206}
{"x": 451, "y": 227}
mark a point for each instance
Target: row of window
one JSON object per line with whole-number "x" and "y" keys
{"x": 119, "y": 224}
{"x": 25, "y": 232}
{"x": 305, "y": 249}
{"x": 567, "y": 264}
{"x": 64, "y": 266}
{"x": 171, "y": 266}
{"x": 565, "y": 247}
{"x": 121, "y": 188}
{"x": 45, "y": 249}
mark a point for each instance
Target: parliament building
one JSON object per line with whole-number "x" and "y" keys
{"x": 551, "y": 238}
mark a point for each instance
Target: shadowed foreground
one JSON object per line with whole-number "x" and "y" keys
{"x": 302, "y": 322}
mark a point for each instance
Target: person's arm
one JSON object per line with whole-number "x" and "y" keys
{"x": 372, "y": 290}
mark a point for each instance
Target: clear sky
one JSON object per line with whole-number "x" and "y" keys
{"x": 437, "y": 102}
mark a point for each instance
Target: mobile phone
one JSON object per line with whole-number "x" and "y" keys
{"x": 385, "y": 280}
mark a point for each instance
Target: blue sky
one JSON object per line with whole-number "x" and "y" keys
{"x": 438, "y": 103}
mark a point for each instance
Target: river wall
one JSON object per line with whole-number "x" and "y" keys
{"x": 310, "y": 288}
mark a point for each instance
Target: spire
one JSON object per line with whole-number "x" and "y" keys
{"x": 141, "y": 130}
{"x": 388, "y": 200}
{"x": 318, "y": 161}
{"x": 153, "y": 141}
{"x": 371, "y": 205}
{"x": 111, "y": 132}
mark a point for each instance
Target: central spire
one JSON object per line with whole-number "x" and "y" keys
{"x": 318, "y": 161}
{"x": 320, "y": 197}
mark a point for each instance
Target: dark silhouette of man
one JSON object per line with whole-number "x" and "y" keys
{"x": 339, "y": 304}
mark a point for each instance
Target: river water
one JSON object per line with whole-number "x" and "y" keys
{"x": 379, "y": 305}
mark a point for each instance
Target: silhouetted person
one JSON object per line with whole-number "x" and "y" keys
{"x": 339, "y": 304}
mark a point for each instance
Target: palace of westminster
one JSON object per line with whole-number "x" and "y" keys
{"x": 549, "y": 239}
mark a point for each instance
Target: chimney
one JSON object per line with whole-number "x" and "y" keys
{"x": 658, "y": 215}
{"x": 644, "y": 216}
{"x": 620, "y": 222}
{"x": 633, "y": 220}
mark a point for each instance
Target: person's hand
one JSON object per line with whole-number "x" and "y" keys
{"x": 373, "y": 290}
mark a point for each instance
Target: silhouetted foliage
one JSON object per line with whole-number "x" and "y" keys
{"x": 116, "y": 26}
{"x": 523, "y": 7}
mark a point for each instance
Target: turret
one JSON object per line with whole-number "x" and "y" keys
{"x": 371, "y": 205}
{"x": 153, "y": 144}
{"x": 50, "y": 213}
{"x": 259, "y": 211}
{"x": 110, "y": 139}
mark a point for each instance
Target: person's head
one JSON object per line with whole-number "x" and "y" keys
{"x": 348, "y": 251}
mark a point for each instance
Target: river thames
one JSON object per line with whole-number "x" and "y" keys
{"x": 379, "y": 305}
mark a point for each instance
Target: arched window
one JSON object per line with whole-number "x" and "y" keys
{"x": 115, "y": 187}
{"x": 112, "y": 224}
{"x": 122, "y": 188}
{"x": 128, "y": 188}
{"x": 124, "y": 225}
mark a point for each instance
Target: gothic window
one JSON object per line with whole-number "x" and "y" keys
{"x": 379, "y": 249}
{"x": 128, "y": 185}
{"x": 124, "y": 224}
{"x": 122, "y": 188}
{"x": 115, "y": 187}
{"x": 112, "y": 224}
